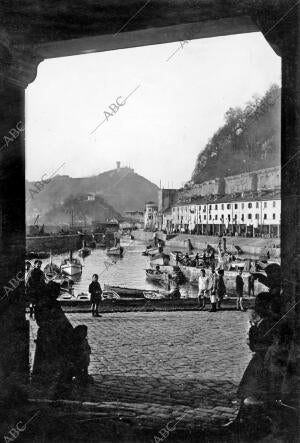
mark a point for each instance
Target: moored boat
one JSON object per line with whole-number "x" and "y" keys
{"x": 116, "y": 251}
{"x": 157, "y": 276}
{"x": 71, "y": 266}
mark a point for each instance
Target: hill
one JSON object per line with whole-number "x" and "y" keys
{"x": 116, "y": 190}
{"x": 249, "y": 140}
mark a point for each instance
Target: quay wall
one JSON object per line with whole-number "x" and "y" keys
{"x": 54, "y": 242}
{"x": 256, "y": 246}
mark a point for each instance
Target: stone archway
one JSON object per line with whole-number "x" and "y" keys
{"x": 44, "y": 31}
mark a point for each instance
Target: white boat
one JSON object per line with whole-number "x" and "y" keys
{"x": 71, "y": 266}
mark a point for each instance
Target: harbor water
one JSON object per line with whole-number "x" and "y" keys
{"x": 128, "y": 271}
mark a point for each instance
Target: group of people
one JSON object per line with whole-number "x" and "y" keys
{"x": 213, "y": 287}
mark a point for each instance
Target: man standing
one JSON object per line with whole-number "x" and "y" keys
{"x": 220, "y": 287}
{"x": 202, "y": 288}
{"x": 212, "y": 290}
{"x": 239, "y": 291}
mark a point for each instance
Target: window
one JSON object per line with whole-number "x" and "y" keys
{"x": 222, "y": 206}
{"x": 216, "y": 217}
{"x": 210, "y": 217}
{"x": 242, "y": 217}
{"x": 265, "y": 216}
{"x": 265, "y": 205}
{"x": 274, "y": 216}
{"x": 199, "y": 207}
{"x": 205, "y": 217}
{"x": 229, "y": 218}
{"x": 236, "y": 206}
{"x": 242, "y": 205}
{"x": 249, "y": 205}
{"x": 257, "y": 205}
{"x": 210, "y": 207}
{"x": 274, "y": 204}
{"x": 249, "y": 216}
{"x": 257, "y": 216}
{"x": 228, "y": 206}
{"x": 216, "y": 206}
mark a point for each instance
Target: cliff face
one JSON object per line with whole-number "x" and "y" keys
{"x": 249, "y": 140}
{"x": 116, "y": 191}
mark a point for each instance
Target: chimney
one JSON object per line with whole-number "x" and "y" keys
{"x": 118, "y": 165}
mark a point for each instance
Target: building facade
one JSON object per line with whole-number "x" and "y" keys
{"x": 252, "y": 215}
{"x": 151, "y": 222}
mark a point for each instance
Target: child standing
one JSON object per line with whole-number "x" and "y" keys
{"x": 95, "y": 291}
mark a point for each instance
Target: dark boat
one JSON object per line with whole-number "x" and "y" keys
{"x": 128, "y": 293}
{"x": 84, "y": 251}
{"x": 37, "y": 255}
{"x": 116, "y": 251}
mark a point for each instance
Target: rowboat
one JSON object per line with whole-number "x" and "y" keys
{"x": 157, "y": 277}
{"x": 117, "y": 251}
{"x": 126, "y": 293}
{"x": 151, "y": 252}
{"x": 71, "y": 266}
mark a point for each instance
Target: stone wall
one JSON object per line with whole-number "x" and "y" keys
{"x": 53, "y": 243}
{"x": 269, "y": 179}
{"x": 263, "y": 179}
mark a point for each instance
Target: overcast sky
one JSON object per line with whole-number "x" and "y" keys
{"x": 164, "y": 124}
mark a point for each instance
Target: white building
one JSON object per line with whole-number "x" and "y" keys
{"x": 251, "y": 215}
{"x": 151, "y": 216}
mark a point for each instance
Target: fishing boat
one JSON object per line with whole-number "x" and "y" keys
{"x": 116, "y": 251}
{"x": 71, "y": 266}
{"x": 52, "y": 272}
{"x": 84, "y": 251}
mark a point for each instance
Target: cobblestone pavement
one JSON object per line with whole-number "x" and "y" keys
{"x": 167, "y": 365}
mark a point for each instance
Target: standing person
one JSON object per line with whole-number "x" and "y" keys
{"x": 239, "y": 290}
{"x": 95, "y": 291}
{"x": 202, "y": 285}
{"x": 34, "y": 283}
{"x": 212, "y": 290}
{"x": 177, "y": 258}
{"x": 220, "y": 287}
{"x": 251, "y": 280}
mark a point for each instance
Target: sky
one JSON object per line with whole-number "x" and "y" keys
{"x": 172, "y": 108}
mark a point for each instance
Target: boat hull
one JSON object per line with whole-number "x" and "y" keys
{"x": 129, "y": 293}
{"x": 71, "y": 269}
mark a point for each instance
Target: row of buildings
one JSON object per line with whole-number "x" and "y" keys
{"x": 247, "y": 204}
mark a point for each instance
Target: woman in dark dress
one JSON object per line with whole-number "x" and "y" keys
{"x": 52, "y": 361}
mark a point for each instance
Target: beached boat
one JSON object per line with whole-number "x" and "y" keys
{"x": 124, "y": 292}
{"x": 116, "y": 251}
{"x": 71, "y": 266}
